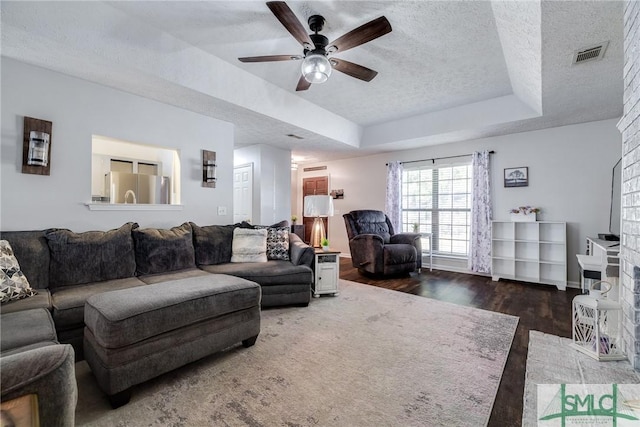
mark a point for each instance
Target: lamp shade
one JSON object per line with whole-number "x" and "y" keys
{"x": 315, "y": 206}
{"x": 316, "y": 68}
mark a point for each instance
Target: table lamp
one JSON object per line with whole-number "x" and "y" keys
{"x": 318, "y": 206}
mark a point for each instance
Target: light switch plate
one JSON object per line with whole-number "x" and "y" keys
{"x": 222, "y": 210}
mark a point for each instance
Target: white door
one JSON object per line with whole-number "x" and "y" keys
{"x": 242, "y": 193}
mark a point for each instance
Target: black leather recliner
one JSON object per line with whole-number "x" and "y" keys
{"x": 377, "y": 249}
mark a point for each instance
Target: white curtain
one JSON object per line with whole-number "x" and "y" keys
{"x": 393, "y": 204}
{"x": 480, "y": 250}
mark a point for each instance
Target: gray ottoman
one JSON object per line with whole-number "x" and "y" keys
{"x": 133, "y": 335}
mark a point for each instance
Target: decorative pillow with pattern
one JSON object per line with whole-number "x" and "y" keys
{"x": 277, "y": 243}
{"x": 249, "y": 245}
{"x": 14, "y": 284}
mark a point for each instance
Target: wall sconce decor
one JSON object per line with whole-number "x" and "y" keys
{"x": 36, "y": 146}
{"x": 209, "y": 169}
{"x": 337, "y": 194}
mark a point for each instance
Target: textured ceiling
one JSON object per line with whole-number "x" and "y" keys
{"x": 422, "y": 66}
{"x": 440, "y": 59}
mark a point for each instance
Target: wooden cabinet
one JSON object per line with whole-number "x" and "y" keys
{"x": 530, "y": 251}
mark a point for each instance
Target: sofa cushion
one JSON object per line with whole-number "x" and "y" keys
{"x": 92, "y": 256}
{"x": 173, "y": 275}
{"x": 161, "y": 250}
{"x": 42, "y": 300}
{"x": 266, "y": 273}
{"x": 212, "y": 243}
{"x": 32, "y": 251}
{"x": 121, "y": 318}
{"x": 27, "y": 327}
{"x": 13, "y": 283}
{"x": 277, "y": 243}
{"x": 24, "y": 348}
{"x": 249, "y": 245}
{"x": 68, "y": 302}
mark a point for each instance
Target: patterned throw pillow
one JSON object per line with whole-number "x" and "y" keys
{"x": 14, "y": 285}
{"x": 277, "y": 243}
{"x": 249, "y": 245}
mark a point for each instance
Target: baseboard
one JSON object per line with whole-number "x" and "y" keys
{"x": 436, "y": 266}
{"x": 453, "y": 269}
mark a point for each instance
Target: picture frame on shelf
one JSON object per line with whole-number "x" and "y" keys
{"x": 516, "y": 177}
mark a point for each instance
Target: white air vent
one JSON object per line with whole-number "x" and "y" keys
{"x": 591, "y": 53}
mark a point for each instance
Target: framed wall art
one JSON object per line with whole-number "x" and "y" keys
{"x": 516, "y": 177}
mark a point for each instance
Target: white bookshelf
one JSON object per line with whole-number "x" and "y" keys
{"x": 530, "y": 252}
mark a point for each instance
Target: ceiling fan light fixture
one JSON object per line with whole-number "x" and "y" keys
{"x": 316, "y": 68}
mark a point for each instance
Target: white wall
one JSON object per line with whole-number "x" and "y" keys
{"x": 80, "y": 109}
{"x": 271, "y": 182}
{"x": 569, "y": 168}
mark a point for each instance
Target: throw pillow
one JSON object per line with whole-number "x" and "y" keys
{"x": 160, "y": 251}
{"x": 249, "y": 245}
{"x": 212, "y": 243}
{"x": 14, "y": 284}
{"x": 92, "y": 256}
{"x": 32, "y": 249}
{"x": 283, "y": 223}
{"x": 277, "y": 242}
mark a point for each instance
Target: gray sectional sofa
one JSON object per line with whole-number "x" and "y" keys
{"x": 33, "y": 363}
{"x": 67, "y": 268}
{"x": 71, "y": 271}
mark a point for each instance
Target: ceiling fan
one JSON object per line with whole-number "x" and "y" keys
{"x": 316, "y": 66}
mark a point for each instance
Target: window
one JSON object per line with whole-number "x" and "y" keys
{"x": 134, "y": 166}
{"x": 438, "y": 200}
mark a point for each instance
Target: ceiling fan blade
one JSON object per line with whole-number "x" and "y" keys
{"x": 353, "y": 70}
{"x": 270, "y": 58}
{"x": 303, "y": 84}
{"x": 361, "y": 35}
{"x": 287, "y": 18}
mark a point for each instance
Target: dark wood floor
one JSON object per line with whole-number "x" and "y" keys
{"x": 539, "y": 307}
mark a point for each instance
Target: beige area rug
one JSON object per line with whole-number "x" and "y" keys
{"x": 551, "y": 360}
{"x": 368, "y": 357}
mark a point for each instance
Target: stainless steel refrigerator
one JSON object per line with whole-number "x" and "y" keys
{"x": 136, "y": 188}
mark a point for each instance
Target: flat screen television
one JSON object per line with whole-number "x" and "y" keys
{"x": 616, "y": 200}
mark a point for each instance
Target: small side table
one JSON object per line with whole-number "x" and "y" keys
{"x": 428, "y": 236}
{"x": 327, "y": 273}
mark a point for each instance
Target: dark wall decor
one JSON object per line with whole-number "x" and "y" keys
{"x": 209, "y": 167}
{"x": 516, "y": 177}
{"x": 36, "y": 146}
{"x": 337, "y": 194}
